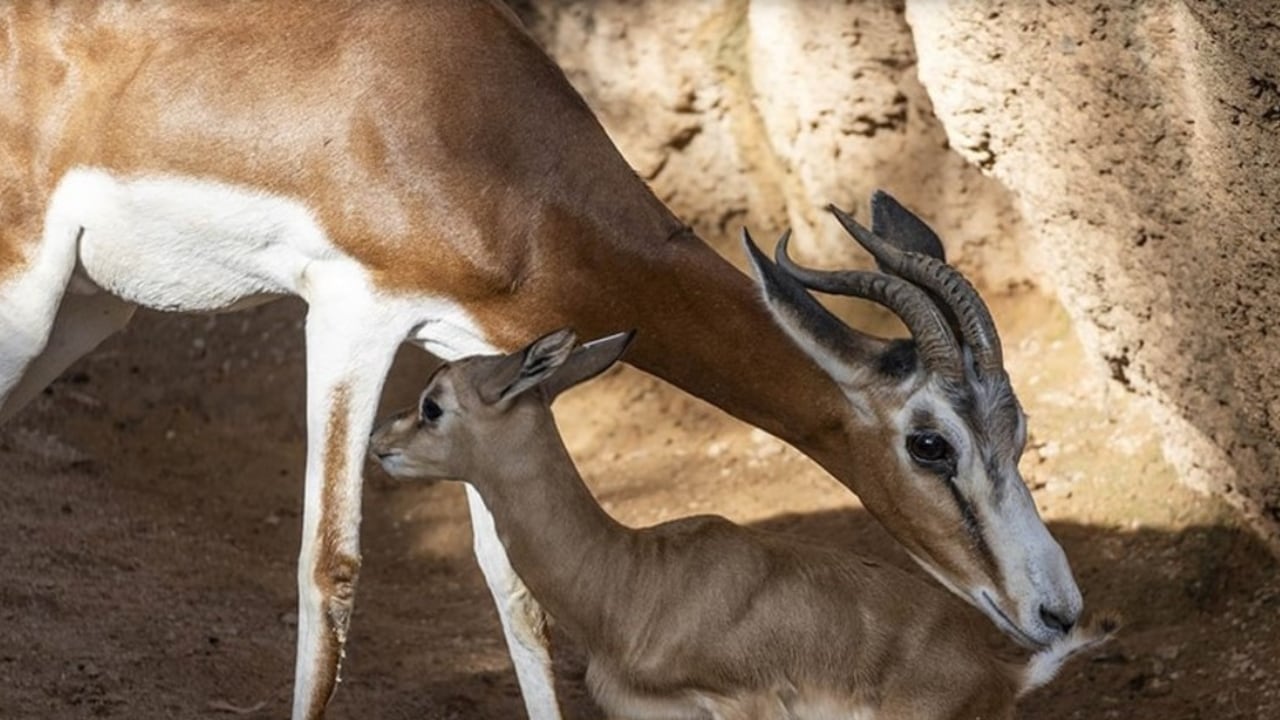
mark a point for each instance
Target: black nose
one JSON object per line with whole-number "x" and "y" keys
{"x": 1060, "y": 621}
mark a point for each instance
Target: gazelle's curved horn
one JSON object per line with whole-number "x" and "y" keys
{"x": 941, "y": 280}
{"x": 935, "y": 342}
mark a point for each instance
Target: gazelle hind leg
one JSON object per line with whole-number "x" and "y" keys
{"x": 523, "y": 621}
{"x": 30, "y": 295}
{"x": 350, "y": 346}
{"x": 82, "y": 323}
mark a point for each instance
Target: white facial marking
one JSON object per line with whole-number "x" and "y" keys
{"x": 929, "y": 398}
{"x": 1030, "y": 561}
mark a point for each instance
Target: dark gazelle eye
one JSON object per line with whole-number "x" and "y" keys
{"x": 930, "y": 448}
{"x": 430, "y": 410}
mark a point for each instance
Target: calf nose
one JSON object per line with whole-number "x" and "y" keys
{"x": 1058, "y": 620}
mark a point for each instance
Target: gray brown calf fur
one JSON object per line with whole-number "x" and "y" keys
{"x": 698, "y": 617}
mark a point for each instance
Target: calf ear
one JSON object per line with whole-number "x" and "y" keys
{"x": 527, "y": 368}
{"x": 587, "y": 362}
{"x": 902, "y": 228}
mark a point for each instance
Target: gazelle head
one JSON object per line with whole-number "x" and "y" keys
{"x": 935, "y": 431}
{"x": 487, "y": 404}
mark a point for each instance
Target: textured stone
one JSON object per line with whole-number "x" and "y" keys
{"x": 1142, "y": 141}
{"x": 761, "y": 113}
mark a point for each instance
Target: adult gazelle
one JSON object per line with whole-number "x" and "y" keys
{"x": 423, "y": 172}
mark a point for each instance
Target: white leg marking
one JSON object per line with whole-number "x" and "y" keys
{"x": 138, "y": 230}
{"x": 351, "y": 340}
{"x": 523, "y": 621}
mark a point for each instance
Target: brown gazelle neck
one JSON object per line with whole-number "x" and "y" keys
{"x": 550, "y": 525}
{"x": 700, "y": 325}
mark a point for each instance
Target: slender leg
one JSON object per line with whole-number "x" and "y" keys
{"x": 523, "y": 622}
{"x": 349, "y": 351}
{"x": 31, "y": 292}
{"x": 83, "y": 321}
{"x": 28, "y": 308}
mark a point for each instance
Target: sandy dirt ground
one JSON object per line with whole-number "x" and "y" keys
{"x": 149, "y": 522}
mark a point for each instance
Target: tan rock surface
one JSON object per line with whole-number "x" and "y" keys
{"x": 1142, "y": 141}
{"x": 762, "y": 113}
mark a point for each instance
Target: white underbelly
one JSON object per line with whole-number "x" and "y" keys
{"x": 191, "y": 245}
{"x": 176, "y": 243}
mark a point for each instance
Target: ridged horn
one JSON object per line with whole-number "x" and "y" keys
{"x": 935, "y": 342}
{"x": 941, "y": 280}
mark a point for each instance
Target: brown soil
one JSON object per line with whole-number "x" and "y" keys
{"x": 149, "y": 509}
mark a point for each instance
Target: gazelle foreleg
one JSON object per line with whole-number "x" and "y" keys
{"x": 524, "y": 623}
{"x": 350, "y": 346}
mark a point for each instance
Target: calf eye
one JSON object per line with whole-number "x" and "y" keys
{"x": 930, "y": 448}
{"x": 430, "y": 410}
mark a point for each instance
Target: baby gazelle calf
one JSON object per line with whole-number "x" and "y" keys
{"x": 696, "y": 618}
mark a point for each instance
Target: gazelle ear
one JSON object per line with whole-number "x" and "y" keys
{"x": 526, "y": 368}
{"x": 901, "y": 227}
{"x": 588, "y": 361}
{"x": 823, "y": 336}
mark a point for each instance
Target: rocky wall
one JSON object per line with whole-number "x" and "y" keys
{"x": 1142, "y": 143}
{"x": 761, "y": 113}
